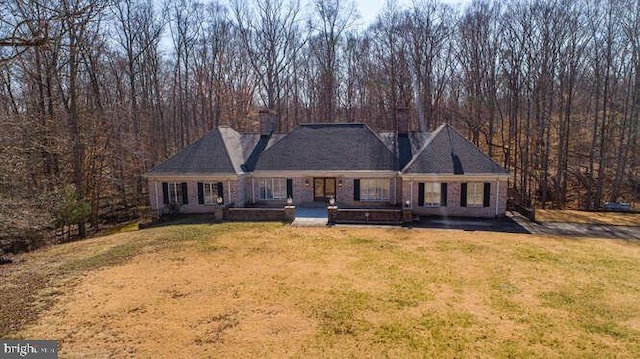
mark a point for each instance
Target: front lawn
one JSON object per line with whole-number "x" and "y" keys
{"x": 586, "y": 217}
{"x": 255, "y": 290}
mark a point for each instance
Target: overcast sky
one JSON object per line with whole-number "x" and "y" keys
{"x": 369, "y": 9}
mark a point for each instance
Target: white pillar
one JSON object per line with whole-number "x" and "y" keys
{"x": 411, "y": 194}
{"x": 497, "y": 195}
{"x": 395, "y": 192}
{"x": 157, "y": 199}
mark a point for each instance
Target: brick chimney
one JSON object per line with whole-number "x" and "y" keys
{"x": 268, "y": 121}
{"x": 404, "y": 144}
{"x": 402, "y": 120}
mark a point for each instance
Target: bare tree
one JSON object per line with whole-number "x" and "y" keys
{"x": 270, "y": 31}
{"x": 185, "y": 20}
{"x": 79, "y": 18}
{"x": 332, "y": 20}
{"x": 19, "y": 32}
{"x": 429, "y": 31}
{"x": 478, "y": 56}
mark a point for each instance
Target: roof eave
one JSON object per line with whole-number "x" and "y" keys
{"x": 190, "y": 176}
{"x": 451, "y": 176}
{"x": 323, "y": 173}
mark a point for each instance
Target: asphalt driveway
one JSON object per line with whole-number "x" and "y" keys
{"x": 515, "y": 223}
{"x": 577, "y": 229}
{"x": 590, "y": 230}
{"x": 505, "y": 224}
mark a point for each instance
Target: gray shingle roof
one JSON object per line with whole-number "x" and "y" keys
{"x": 417, "y": 139}
{"x": 330, "y": 147}
{"x": 449, "y": 152}
{"x": 219, "y": 151}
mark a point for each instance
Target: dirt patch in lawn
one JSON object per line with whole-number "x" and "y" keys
{"x": 252, "y": 290}
{"x": 183, "y": 306}
{"x": 19, "y": 303}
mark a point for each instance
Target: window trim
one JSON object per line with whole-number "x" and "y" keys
{"x": 270, "y": 183}
{"x": 475, "y": 189}
{"x": 381, "y": 194}
{"x": 176, "y": 188}
{"x": 213, "y": 188}
{"x": 436, "y": 192}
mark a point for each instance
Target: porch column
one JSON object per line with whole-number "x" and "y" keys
{"x": 497, "y": 195}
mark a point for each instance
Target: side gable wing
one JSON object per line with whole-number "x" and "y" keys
{"x": 449, "y": 152}
{"x": 219, "y": 151}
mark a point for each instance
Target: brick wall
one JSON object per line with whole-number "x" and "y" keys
{"x": 303, "y": 189}
{"x": 345, "y": 198}
{"x": 254, "y": 214}
{"x": 155, "y": 195}
{"x": 240, "y": 191}
{"x": 453, "y": 207}
{"x": 372, "y": 216}
{"x": 303, "y": 193}
{"x": 232, "y": 195}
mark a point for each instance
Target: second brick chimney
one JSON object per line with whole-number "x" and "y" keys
{"x": 402, "y": 120}
{"x": 268, "y": 121}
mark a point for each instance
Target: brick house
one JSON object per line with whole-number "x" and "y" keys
{"x": 437, "y": 173}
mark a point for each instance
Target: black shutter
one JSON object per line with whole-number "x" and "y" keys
{"x": 421, "y": 194}
{"x": 221, "y": 191}
{"x": 356, "y": 189}
{"x": 185, "y": 195}
{"x": 200, "y": 193}
{"x": 289, "y": 188}
{"x": 443, "y": 194}
{"x": 165, "y": 192}
{"x": 487, "y": 195}
{"x": 463, "y": 195}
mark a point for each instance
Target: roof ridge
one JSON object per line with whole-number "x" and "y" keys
{"x": 377, "y": 135}
{"x": 278, "y": 141}
{"x": 236, "y": 166}
{"x": 424, "y": 146}
{"x": 331, "y": 124}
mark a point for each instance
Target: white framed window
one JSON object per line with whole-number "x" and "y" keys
{"x": 273, "y": 188}
{"x": 210, "y": 193}
{"x": 175, "y": 192}
{"x": 432, "y": 194}
{"x": 374, "y": 189}
{"x": 475, "y": 194}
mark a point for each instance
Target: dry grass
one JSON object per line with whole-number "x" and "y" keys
{"x": 247, "y": 290}
{"x": 573, "y": 216}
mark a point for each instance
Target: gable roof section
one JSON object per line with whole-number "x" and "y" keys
{"x": 328, "y": 147}
{"x": 449, "y": 152}
{"x": 219, "y": 151}
{"x": 416, "y": 139}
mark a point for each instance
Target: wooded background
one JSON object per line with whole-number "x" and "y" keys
{"x": 95, "y": 93}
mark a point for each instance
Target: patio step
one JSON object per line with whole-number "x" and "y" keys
{"x": 309, "y": 222}
{"x": 310, "y": 217}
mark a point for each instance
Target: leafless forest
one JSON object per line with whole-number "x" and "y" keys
{"x": 94, "y": 93}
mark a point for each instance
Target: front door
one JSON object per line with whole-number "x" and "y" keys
{"x": 323, "y": 189}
